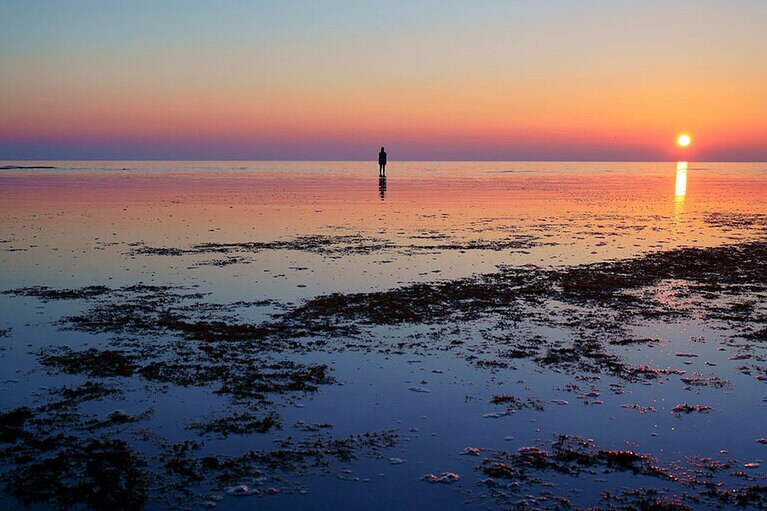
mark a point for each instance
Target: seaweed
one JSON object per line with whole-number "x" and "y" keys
{"x": 336, "y": 246}
{"x": 684, "y": 408}
{"x": 700, "y": 380}
{"x": 757, "y": 335}
{"x": 48, "y": 462}
{"x": 514, "y": 403}
{"x": 163, "y": 334}
{"x": 751, "y": 496}
{"x": 319, "y": 244}
{"x": 643, "y": 499}
{"x": 639, "y": 408}
{"x": 571, "y": 455}
{"x": 290, "y": 456}
{"x": 241, "y": 377}
{"x": 47, "y": 293}
{"x": 91, "y": 362}
{"x": 237, "y": 424}
{"x": 101, "y": 474}
{"x": 12, "y": 424}
{"x": 520, "y": 478}
{"x": 628, "y": 342}
{"x": 73, "y": 396}
{"x": 746, "y": 263}
{"x": 737, "y": 220}
{"x": 511, "y": 292}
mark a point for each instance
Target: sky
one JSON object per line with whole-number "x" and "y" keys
{"x": 428, "y": 79}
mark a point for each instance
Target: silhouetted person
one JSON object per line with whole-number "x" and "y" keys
{"x": 382, "y": 162}
{"x": 382, "y": 186}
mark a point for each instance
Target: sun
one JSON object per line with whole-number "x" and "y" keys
{"x": 684, "y": 140}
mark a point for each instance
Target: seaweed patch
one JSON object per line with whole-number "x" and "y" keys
{"x": 161, "y": 337}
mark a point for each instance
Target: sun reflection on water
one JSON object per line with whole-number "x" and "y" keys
{"x": 681, "y": 181}
{"x": 680, "y": 191}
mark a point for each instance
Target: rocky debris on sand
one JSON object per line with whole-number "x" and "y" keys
{"x": 241, "y": 490}
{"x": 639, "y": 408}
{"x": 118, "y": 416}
{"x": 685, "y": 408}
{"x": 444, "y": 477}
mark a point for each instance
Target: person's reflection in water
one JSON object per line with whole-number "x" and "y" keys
{"x": 382, "y": 186}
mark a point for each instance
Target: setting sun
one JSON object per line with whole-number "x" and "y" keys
{"x": 280, "y": 196}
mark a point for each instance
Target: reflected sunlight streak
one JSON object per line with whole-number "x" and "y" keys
{"x": 680, "y": 191}
{"x": 681, "y": 180}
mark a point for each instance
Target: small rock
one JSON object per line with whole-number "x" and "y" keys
{"x": 241, "y": 490}
{"x": 118, "y": 416}
{"x": 445, "y": 478}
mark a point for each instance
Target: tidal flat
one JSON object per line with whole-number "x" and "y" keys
{"x": 293, "y": 335}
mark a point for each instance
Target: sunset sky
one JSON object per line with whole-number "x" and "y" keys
{"x": 429, "y": 79}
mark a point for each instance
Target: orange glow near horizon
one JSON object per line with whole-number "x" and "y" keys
{"x": 529, "y": 118}
{"x": 274, "y": 87}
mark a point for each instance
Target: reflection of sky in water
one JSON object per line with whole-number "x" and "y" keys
{"x": 66, "y": 225}
{"x": 69, "y": 228}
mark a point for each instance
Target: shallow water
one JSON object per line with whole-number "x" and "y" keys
{"x": 283, "y": 233}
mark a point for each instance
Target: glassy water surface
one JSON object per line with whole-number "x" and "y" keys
{"x": 462, "y": 315}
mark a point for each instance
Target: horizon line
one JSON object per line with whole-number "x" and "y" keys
{"x": 372, "y": 160}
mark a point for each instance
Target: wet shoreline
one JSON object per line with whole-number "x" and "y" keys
{"x": 204, "y": 346}
{"x": 190, "y": 368}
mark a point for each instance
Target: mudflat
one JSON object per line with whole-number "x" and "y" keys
{"x": 297, "y": 335}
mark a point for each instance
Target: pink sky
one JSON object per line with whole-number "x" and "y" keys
{"x": 501, "y": 81}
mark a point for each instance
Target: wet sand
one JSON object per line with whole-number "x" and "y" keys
{"x": 293, "y": 335}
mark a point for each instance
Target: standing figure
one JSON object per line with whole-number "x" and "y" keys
{"x": 382, "y": 162}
